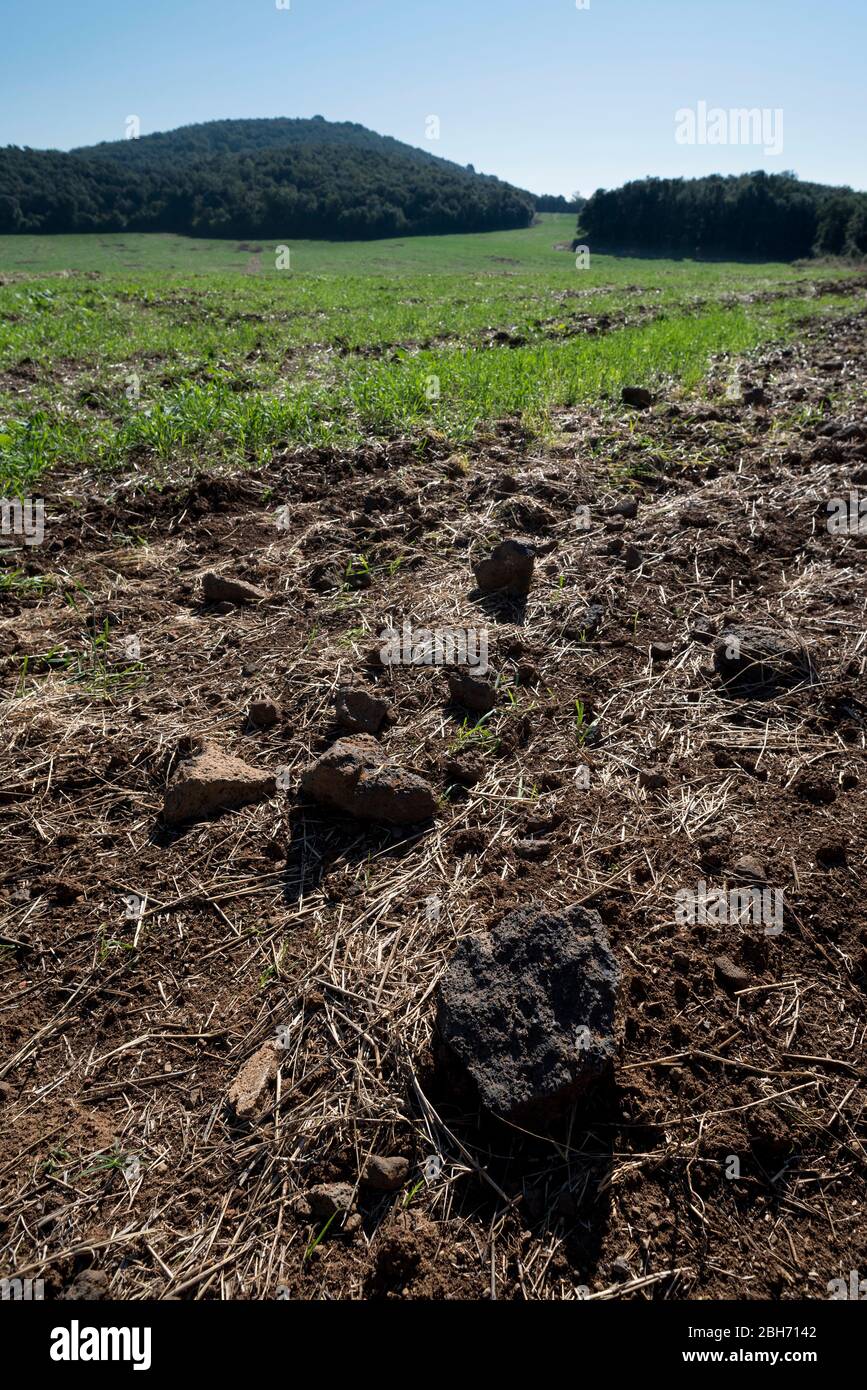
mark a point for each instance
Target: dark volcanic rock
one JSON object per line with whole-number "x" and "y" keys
{"x": 471, "y": 691}
{"x": 751, "y": 658}
{"x": 509, "y": 567}
{"x": 527, "y": 1010}
{"x": 593, "y": 618}
{"x": 353, "y": 776}
{"x": 360, "y": 712}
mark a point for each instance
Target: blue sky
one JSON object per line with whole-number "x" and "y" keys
{"x": 552, "y": 97}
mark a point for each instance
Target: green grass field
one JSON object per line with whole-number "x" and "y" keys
{"x": 165, "y": 253}
{"x": 168, "y": 351}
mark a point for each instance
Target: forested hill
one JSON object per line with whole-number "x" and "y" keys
{"x": 772, "y": 216}
{"x": 254, "y": 178}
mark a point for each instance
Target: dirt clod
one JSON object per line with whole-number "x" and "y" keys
{"x": 638, "y": 397}
{"x": 509, "y": 568}
{"x": 730, "y": 976}
{"x": 754, "y": 658}
{"x": 471, "y": 691}
{"x": 330, "y": 1199}
{"x": 359, "y": 712}
{"x": 264, "y": 714}
{"x": 89, "y": 1286}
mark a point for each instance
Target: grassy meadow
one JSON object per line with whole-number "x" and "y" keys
{"x": 162, "y": 351}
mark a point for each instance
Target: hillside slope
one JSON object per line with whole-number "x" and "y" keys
{"x": 262, "y": 178}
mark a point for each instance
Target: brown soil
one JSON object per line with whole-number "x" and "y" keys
{"x": 143, "y": 966}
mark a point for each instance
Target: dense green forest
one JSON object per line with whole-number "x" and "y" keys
{"x": 254, "y": 178}
{"x": 555, "y": 202}
{"x": 770, "y": 216}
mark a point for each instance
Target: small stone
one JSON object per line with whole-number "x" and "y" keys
{"x": 263, "y": 714}
{"x": 638, "y": 397}
{"x": 353, "y": 776}
{"x": 729, "y": 975}
{"x": 661, "y": 651}
{"x": 222, "y": 588}
{"x": 532, "y": 849}
{"x": 749, "y": 870}
{"x": 385, "y": 1174}
{"x": 509, "y": 568}
{"x": 330, "y": 1199}
{"x": 246, "y": 1091}
{"x": 214, "y": 781}
{"x": 359, "y": 712}
{"x": 471, "y": 691}
{"x": 588, "y": 623}
{"x": 652, "y": 780}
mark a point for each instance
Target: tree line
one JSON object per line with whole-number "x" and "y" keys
{"x": 770, "y": 216}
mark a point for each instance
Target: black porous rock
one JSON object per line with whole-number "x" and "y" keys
{"x": 748, "y": 658}
{"x": 527, "y": 1011}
